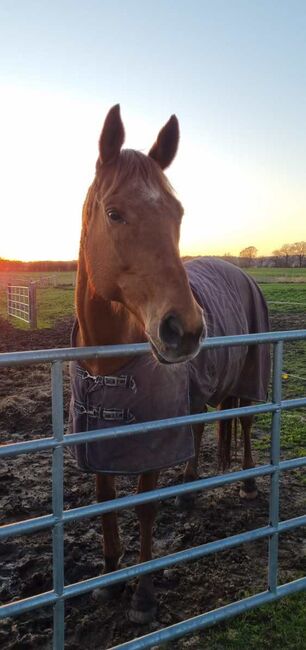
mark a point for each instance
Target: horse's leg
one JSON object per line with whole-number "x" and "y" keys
{"x": 225, "y": 434}
{"x": 248, "y": 490}
{"x": 106, "y": 490}
{"x": 191, "y": 470}
{"x": 143, "y": 606}
{"x": 186, "y": 501}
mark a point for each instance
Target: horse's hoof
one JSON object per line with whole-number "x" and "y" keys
{"x": 185, "y": 501}
{"x": 143, "y": 608}
{"x": 110, "y": 592}
{"x": 142, "y": 617}
{"x": 248, "y": 496}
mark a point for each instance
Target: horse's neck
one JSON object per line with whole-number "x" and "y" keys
{"x": 103, "y": 322}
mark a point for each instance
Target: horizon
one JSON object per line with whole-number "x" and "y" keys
{"x": 235, "y": 77}
{"x": 75, "y": 260}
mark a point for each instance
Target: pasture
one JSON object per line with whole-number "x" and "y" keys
{"x": 53, "y": 303}
{"x": 185, "y": 590}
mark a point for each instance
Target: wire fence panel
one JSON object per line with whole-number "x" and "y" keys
{"x": 56, "y": 521}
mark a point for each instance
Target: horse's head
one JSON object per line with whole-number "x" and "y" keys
{"x": 131, "y": 240}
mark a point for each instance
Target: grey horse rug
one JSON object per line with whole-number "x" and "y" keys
{"x": 145, "y": 390}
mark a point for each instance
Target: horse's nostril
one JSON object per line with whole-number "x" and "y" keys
{"x": 171, "y": 331}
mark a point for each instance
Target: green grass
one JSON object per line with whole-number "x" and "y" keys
{"x": 293, "y": 433}
{"x": 285, "y": 298}
{"x": 275, "y": 626}
{"x": 54, "y": 304}
{"x": 293, "y": 423}
{"x": 264, "y": 274}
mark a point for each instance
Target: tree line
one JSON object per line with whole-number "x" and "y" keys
{"x": 287, "y": 255}
{"x": 42, "y": 266}
{"x": 287, "y": 251}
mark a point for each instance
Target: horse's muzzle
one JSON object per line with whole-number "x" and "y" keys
{"x": 174, "y": 344}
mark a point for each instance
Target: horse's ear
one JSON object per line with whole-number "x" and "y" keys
{"x": 165, "y": 147}
{"x": 112, "y": 136}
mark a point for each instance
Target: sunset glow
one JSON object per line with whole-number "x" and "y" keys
{"x": 240, "y": 170}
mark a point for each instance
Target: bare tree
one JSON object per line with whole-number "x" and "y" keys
{"x": 278, "y": 255}
{"x": 284, "y": 252}
{"x": 299, "y": 249}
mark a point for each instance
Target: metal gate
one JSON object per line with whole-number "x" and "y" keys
{"x": 21, "y": 303}
{"x": 60, "y": 593}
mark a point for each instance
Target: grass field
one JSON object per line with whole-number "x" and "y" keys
{"x": 272, "y": 627}
{"x": 53, "y": 303}
{"x": 264, "y": 274}
{"x": 284, "y": 289}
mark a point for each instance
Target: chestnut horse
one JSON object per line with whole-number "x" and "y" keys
{"x": 133, "y": 287}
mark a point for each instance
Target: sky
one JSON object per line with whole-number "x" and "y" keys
{"x": 234, "y": 73}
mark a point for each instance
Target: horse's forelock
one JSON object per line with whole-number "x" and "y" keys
{"x": 134, "y": 167}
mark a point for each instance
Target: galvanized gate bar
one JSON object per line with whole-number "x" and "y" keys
{"x": 27, "y": 604}
{"x": 275, "y": 459}
{"x": 58, "y": 504}
{"x": 211, "y": 618}
{"x": 180, "y": 556}
{"x": 60, "y": 593}
{"x": 106, "y": 351}
{"x": 41, "y": 444}
{"x": 293, "y": 463}
{"x": 85, "y": 586}
{"x": 160, "y": 494}
{"x": 27, "y": 526}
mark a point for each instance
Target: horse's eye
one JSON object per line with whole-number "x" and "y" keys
{"x": 113, "y": 215}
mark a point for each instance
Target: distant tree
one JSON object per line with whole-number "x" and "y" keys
{"x": 249, "y": 252}
{"x": 248, "y": 255}
{"x": 284, "y": 252}
{"x": 299, "y": 249}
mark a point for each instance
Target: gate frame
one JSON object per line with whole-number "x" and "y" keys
{"x": 30, "y": 311}
{"x": 57, "y": 520}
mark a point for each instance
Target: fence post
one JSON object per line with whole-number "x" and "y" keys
{"x": 275, "y": 459}
{"x": 58, "y": 505}
{"x": 32, "y": 305}
{"x": 8, "y": 295}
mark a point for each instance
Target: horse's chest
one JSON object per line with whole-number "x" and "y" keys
{"x": 144, "y": 391}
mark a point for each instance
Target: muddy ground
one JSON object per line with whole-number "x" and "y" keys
{"x": 183, "y": 591}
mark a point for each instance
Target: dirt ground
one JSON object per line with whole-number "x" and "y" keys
{"x": 183, "y": 591}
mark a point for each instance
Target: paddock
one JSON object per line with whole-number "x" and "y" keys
{"x": 61, "y": 592}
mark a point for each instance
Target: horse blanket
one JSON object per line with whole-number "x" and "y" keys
{"x": 145, "y": 390}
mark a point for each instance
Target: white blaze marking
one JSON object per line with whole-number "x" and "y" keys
{"x": 150, "y": 193}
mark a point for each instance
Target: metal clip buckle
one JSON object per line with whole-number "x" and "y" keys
{"x": 88, "y": 376}
{"x": 111, "y": 381}
{"x": 113, "y": 414}
{"x": 133, "y": 385}
{"x": 81, "y": 410}
{"x": 93, "y": 412}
